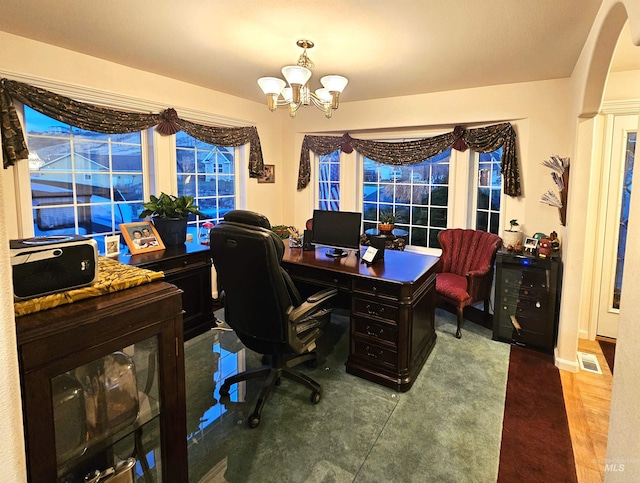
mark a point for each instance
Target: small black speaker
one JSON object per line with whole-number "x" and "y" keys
{"x": 306, "y": 240}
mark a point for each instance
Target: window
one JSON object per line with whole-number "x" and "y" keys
{"x": 329, "y": 181}
{"x": 82, "y": 182}
{"x": 418, "y": 194}
{"x": 207, "y": 173}
{"x": 488, "y": 195}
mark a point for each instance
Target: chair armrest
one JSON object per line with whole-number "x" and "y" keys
{"x": 325, "y": 294}
{"x": 306, "y": 319}
{"x": 312, "y": 303}
{"x": 479, "y": 283}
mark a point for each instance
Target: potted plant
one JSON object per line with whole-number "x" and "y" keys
{"x": 387, "y": 222}
{"x": 169, "y": 214}
{"x": 512, "y": 237}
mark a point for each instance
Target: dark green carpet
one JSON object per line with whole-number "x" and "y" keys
{"x": 446, "y": 428}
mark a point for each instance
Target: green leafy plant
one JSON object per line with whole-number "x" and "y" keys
{"x": 513, "y": 224}
{"x": 170, "y": 206}
{"x": 387, "y": 218}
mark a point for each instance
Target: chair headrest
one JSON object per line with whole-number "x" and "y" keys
{"x": 248, "y": 218}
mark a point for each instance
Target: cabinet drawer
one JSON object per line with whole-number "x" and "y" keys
{"x": 376, "y": 287}
{"x": 374, "y": 353}
{"x": 369, "y": 328}
{"x": 369, "y": 308}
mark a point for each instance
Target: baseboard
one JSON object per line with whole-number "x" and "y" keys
{"x": 565, "y": 364}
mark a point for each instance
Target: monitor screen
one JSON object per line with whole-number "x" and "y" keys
{"x": 337, "y": 229}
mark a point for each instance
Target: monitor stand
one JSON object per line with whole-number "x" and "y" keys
{"x": 336, "y": 253}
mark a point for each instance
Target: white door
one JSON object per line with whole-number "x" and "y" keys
{"x": 620, "y": 149}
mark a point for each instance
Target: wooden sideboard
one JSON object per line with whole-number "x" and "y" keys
{"x": 76, "y": 416}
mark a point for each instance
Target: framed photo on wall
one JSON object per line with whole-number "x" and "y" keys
{"x": 141, "y": 237}
{"x": 268, "y": 174}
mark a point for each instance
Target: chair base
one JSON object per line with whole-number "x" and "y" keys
{"x": 279, "y": 368}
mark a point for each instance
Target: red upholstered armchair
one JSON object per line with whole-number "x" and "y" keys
{"x": 465, "y": 268}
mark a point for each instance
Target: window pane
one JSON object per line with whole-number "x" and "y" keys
{"x": 488, "y": 195}
{"x": 329, "y": 181}
{"x": 82, "y": 182}
{"x": 411, "y": 193}
{"x": 206, "y": 172}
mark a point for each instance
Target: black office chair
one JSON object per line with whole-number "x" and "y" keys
{"x": 262, "y": 305}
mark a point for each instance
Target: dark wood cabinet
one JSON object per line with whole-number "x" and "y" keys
{"x": 102, "y": 381}
{"x": 527, "y": 300}
{"x": 188, "y": 267}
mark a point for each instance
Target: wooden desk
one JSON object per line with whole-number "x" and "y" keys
{"x": 188, "y": 267}
{"x": 392, "y": 309}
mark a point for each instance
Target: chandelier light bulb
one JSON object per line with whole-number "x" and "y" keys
{"x": 271, "y": 85}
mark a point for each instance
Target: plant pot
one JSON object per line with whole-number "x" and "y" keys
{"x": 172, "y": 231}
{"x": 511, "y": 238}
{"x": 385, "y": 227}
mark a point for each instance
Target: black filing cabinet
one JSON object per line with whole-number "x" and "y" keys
{"x": 527, "y": 300}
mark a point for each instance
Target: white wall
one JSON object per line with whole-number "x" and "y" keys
{"x": 587, "y": 91}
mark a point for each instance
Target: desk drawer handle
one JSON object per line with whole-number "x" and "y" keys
{"x": 377, "y": 312}
{"x": 372, "y": 333}
{"x": 372, "y": 354}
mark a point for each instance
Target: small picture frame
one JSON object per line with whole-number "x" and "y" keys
{"x": 141, "y": 237}
{"x": 530, "y": 245}
{"x": 112, "y": 245}
{"x": 268, "y": 174}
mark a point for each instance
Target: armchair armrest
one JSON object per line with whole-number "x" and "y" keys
{"x": 312, "y": 303}
{"x": 479, "y": 282}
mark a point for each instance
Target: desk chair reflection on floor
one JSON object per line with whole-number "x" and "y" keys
{"x": 263, "y": 306}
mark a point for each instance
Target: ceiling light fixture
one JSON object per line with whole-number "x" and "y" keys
{"x": 298, "y": 92}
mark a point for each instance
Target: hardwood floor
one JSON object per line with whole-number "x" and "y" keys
{"x": 587, "y": 397}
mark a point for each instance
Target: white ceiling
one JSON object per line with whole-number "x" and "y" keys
{"x": 386, "y": 48}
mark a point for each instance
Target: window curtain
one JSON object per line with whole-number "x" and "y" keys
{"x": 111, "y": 121}
{"x": 484, "y": 140}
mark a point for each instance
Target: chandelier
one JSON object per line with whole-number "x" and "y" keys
{"x": 298, "y": 92}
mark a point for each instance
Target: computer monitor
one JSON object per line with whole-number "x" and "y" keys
{"x": 337, "y": 229}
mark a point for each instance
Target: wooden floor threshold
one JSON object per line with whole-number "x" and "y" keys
{"x": 587, "y": 397}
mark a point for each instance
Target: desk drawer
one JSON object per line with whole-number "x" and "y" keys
{"x": 376, "y": 287}
{"x": 369, "y": 308}
{"x": 318, "y": 276}
{"x": 375, "y": 354}
{"x": 185, "y": 263}
{"x": 376, "y": 330}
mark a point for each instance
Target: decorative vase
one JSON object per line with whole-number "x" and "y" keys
{"x": 385, "y": 227}
{"x": 172, "y": 231}
{"x": 511, "y": 238}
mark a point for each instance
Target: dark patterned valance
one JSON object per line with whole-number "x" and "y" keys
{"x": 111, "y": 121}
{"x": 483, "y": 140}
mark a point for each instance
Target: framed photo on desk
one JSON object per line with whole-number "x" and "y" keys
{"x": 141, "y": 237}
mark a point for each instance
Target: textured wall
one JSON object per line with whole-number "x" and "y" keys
{"x": 12, "y": 441}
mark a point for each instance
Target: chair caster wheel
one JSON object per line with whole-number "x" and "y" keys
{"x": 254, "y": 421}
{"x": 315, "y": 397}
{"x": 224, "y": 390}
{"x": 458, "y": 334}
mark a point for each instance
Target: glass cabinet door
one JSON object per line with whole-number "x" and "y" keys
{"x": 106, "y": 416}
